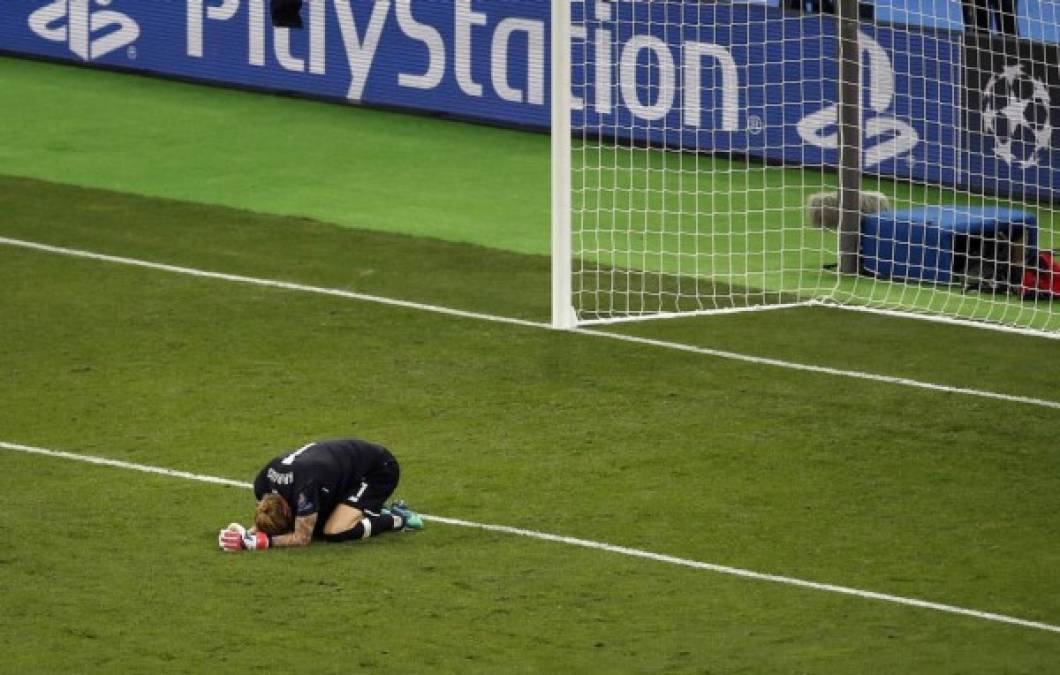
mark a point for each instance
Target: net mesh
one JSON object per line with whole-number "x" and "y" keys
{"x": 705, "y": 159}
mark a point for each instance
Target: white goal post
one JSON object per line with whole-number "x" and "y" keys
{"x": 712, "y": 157}
{"x": 563, "y": 312}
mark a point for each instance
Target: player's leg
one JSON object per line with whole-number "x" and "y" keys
{"x": 384, "y": 481}
{"x": 343, "y": 518}
{"x": 348, "y": 523}
{"x": 411, "y": 519}
{"x": 362, "y": 514}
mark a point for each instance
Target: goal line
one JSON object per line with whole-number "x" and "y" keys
{"x": 594, "y": 332}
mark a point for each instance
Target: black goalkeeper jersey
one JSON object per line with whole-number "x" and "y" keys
{"x": 317, "y": 477}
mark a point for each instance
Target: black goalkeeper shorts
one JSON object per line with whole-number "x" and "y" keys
{"x": 372, "y": 493}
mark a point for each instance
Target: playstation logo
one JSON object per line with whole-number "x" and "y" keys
{"x": 75, "y": 22}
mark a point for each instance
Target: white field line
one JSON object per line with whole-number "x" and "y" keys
{"x": 661, "y": 316}
{"x": 825, "y": 370}
{"x": 269, "y": 283}
{"x": 585, "y": 543}
{"x": 716, "y": 353}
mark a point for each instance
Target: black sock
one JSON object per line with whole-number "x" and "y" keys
{"x": 368, "y": 527}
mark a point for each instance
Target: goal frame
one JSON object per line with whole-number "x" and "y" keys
{"x": 849, "y": 173}
{"x": 563, "y": 314}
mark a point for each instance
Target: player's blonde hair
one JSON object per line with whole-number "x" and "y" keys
{"x": 273, "y": 515}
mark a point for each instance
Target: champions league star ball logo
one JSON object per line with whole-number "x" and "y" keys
{"x": 1016, "y": 111}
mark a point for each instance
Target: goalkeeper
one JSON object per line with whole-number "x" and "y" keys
{"x": 333, "y": 490}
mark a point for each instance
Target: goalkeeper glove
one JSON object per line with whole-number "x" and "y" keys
{"x": 236, "y": 538}
{"x": 256, "y": 540}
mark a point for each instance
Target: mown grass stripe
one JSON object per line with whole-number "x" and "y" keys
{"x": 585, "y": 543}
{"x": 479, "y": 316}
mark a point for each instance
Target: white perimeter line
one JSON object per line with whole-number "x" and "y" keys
{"x": 585, "y": 543}
{"x": 757, "y": 360}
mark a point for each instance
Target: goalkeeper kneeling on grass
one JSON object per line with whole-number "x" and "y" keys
{"x": 334, "y": 490}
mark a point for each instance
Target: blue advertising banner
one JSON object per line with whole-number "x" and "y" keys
{"x": 1012, "y": 117}
{"x": 750, "y": 80}
{"x": 471, "y": 58}
{"x": 730, "y": 78}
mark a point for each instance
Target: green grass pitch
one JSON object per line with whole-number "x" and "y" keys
{"x": 915, "y": 492}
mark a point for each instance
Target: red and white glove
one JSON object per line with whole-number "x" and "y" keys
{"x": 236, "y": 538}
{"x": 256, "y": 540}
{"x": 231, "y": 538}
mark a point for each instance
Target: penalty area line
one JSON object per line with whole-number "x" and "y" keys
{"x": 585, "y": 543}
{"x": 479, "y": 316}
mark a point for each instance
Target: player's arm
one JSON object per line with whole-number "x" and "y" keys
{"x": 302, "y": 534}
{"x": 237, "y": 538}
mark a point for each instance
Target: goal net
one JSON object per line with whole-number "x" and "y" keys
{"x": 721, "y": 157}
